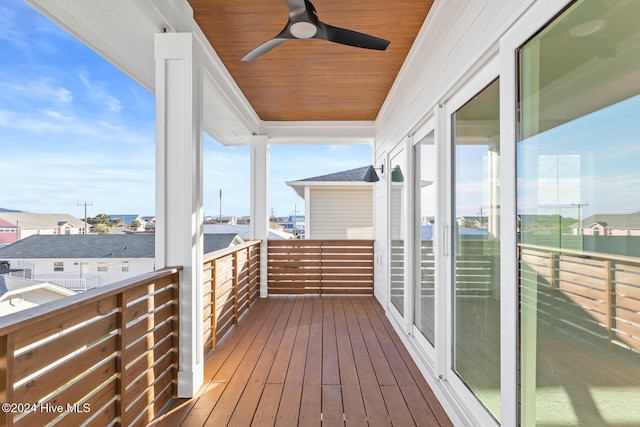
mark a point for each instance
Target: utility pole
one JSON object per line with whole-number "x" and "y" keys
{"x": 85, "y": 213}
{"x": 220, "y": 206}
{"x": 580, "y": 205}
{"x": 295, "y": 217}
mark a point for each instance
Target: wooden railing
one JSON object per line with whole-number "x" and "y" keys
{"x": 320, "y": 266}
{"x": 231, "y": 284}
{"x": 593, "y": 294}
{"x": 102, "y": 357}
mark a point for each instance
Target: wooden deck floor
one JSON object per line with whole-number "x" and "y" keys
{"x": 311, "y": 361}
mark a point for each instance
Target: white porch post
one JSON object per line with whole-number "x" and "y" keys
{"x": 179, "y": 211}
{"x": 260, "y": 202}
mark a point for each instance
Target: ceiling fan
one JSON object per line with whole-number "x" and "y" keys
{"x": 303, "y": 23}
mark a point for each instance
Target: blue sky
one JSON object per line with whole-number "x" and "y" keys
{"x": 73, "y": 128}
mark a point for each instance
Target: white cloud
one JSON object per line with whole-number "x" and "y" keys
{"x": 43, "y": 89}
{"x": 97, "y": 92}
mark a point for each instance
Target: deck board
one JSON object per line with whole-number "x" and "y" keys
{"x": 311, "y": 361}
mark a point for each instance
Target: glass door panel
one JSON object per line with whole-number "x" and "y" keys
{"x": 578, "y": 209}
{"x": 476, "y": 247}
{"x": 425, "y": 263}
{"x": 397, "y": 224}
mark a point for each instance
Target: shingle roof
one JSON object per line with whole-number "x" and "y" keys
{"x": 622, "y": 221}
{"x": 97, "y": 246}
{"x": 242, "y": 230}
{"x": 37, "y": 220}
{"x": 215, "y": 242}
{"x": 10, "y": 283}
{"x": 352, "y": 175}
{"x": 360, "y": 175}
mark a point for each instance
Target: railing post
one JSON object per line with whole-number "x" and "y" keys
{"x": 120, "y": 362}
{"x": 608, "y": 300}
{"x": 234, "y": 283}
{"x": 258, "y": 267}
{"x": 175, "y": 295}
{"x": 6, "y": 376}
{"x": 320, "y": 259}
{"x": 214, "y": 304}
{"x": 554, "y": 283}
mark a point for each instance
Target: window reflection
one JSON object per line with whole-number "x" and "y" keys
{"x": 424, "y": 288}
{"x": 579, "y": 218}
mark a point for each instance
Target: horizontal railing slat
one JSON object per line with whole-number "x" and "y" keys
{"x": 230, "y": 287}
{"x": 74, "y": 351}
{"x": 320, "y": 266}
{"x": 592, "y": 293}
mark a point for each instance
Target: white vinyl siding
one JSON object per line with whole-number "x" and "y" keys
{"x": 341, "y": 213}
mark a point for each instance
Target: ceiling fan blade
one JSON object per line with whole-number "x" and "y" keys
{"x": 350, "y": 38}
{"x": 296, "y": 7}
{"x": 262, "y": 49}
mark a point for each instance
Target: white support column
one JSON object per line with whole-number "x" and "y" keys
{"x": 179, "y": 211}
{"x": 260, "y": 202}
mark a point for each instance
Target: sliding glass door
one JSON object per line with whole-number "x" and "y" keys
{"x": 424, "y": 256}
{"x": 397, "y": 229}
{"x": 475, "y": 276}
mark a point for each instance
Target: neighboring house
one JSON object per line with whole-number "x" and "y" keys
{"x": 215, "y": 242}
{"x": 338, "y": 205}
{"x": 82, "y": 262}
{"x": 243, "y": 231}
{"x": 17, "y": 294}
{"x": 128, "y": 219}
{"x": 8, "y": 232}
{"x": 609, "y": 225}
{"x": 149, "y": 223}
{"x": 27, "y": 224}
{"x": 294, "y": 225}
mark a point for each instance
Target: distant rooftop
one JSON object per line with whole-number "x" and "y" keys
{"x": 38, "y": 220}
{"x": 352, "y": 175}
{"x": 242, "y": 230}
{"x": 127, "y": 219}
{"x": 98, "y": 246}
{"x": 10, "y": 283}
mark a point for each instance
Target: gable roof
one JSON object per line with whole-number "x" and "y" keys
{"x": 242, "y": 230}
{"x": 81, "y": 246}
{"x": 6, "y": 224}
{"x": 18, "y": 294}
{"x": 38, "y": 220}
{"x": 127, "y": 246}
{"x": 215, "y": 242}
{"x": 350, "y": 178}
{"x": 621, "y": 221}
{"x": 351, "y": 175}
{"x": 10, "y": 283}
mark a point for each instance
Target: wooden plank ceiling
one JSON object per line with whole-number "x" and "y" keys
{"x": 312, "y": 80}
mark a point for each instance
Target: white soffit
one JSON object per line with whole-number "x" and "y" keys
{"x": 319, "y": 133}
